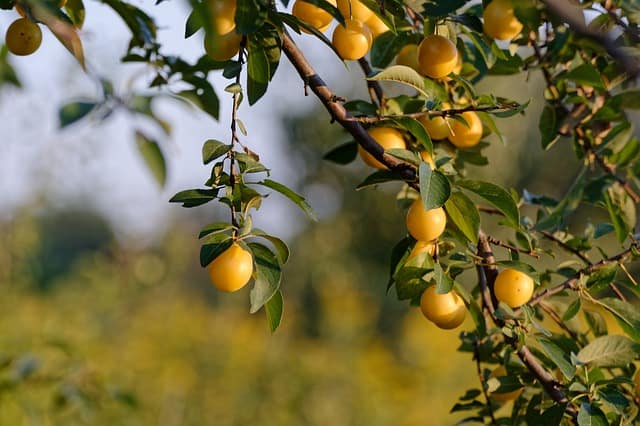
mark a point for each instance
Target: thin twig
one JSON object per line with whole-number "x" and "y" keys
{"x": 548, "y": 235}
{"x": 435, "y": 113}
{"x": 497, "y": 242}
{"x": 556, "y": 318}
{"x": 375, "y": 90}
{"x": 483, "y": 385}
{"x": 573, "y": 282}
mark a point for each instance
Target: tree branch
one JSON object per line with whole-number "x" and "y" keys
{"x": 572, "y": 283}
{"x": 375, "y": 90}
{"x": 341, "y": 115}
{"x": 573, "y": 15}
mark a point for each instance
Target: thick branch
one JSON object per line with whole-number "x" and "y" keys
{"x": 573, "y": 15}
{"x": 341, "y": 115}
{"x": 487, "y": 275}
{"x": 548, "y": 382}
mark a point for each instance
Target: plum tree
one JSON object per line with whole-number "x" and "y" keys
{"x": 586, "y": 54}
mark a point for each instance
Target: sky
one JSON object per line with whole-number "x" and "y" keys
{"x": 97, "y": 162}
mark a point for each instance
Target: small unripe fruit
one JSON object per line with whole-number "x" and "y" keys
{"x": 353, "y": 40}
{"x": 388, "y": 138}
{"x": 466, "y": 135}
{"x": 447, "y": 311}
{"x": 23, "y": 37}
{"x": 425, "y": 225}
{"x": 437, "y": 56}
{"x": 513, "y": 287}
{"x": 232, "y": 269}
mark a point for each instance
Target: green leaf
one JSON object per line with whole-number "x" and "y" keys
{"x": 378, "y": 177}
{"x": 622, "y": 211}
{"x": 548, "y": 126}
{"x": 216, "y": 246}
{"x": 274, "y": 308}
{"x": 609, "y": 351}
{"x": 297, "y": 199}
{"x": 76, "y": 12}
{"x": 590, "y": 415}
{"x": 282, "y": 250}
{"x": 194, "y": 23}
{"x": 142, "y": 26}
{"x": 343, "y": 154}
{"x": 402, "y": 74}
{"x": 74, "y": 111}
{"x": 386, "y": 47}
{"x": 250, "y": 16}
{"x": 496, "y": 196}
{"x": 444, "y": 283}
{"x": 202, "y": 95}
{"x": 399, "y": 252}
{"x": 572, "y": 310}
{"x": 214, "y": 228}
{"x": 267, "y": 276}
{"x": 558, "y": 356}
{"x": 434, "y": 187}
{"x": 194, "y": 197}
{"x": 416, "y": 128}
{"x": 585, "y": 75}
{"x": 257, "y": 73}
{"x": 152, "y": 156}
{"x": 213, "y": 149}
{"x": 629, "y": 99}
{"x": 464, "y": 214}
{"x": 625, "y": 314}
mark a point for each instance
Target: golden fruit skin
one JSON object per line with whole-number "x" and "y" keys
{"x": 503, "y": 397}
{"x": 437, "y": 56}
{"x": 231, "y": 270}
{"x": 428, "y": 247}
{"x": 408, "y": 56}
{"x": 500, "y": 21}
{"x": 426, "y": 157}
{"x": 437, "y": 127}
{"x": 358, "y": 10}
{"x": 352, "y": 41}
{"x": 223, "y": 13}
{"x": 23, "y": 37}
{"x": 311, "y": 14}
{"x": 222, "y": 47}
{"x": 463, "y": 136}
{"x": 376, "y": 25}
{"x": 513, "y": 287}
{"x": 447, "y": 311}
{"x": 425, "y": 225}
{"x": 388, "y": 138}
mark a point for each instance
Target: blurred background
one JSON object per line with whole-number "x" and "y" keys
{"x": 108, "y": 319}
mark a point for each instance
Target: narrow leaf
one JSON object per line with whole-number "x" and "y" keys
{"x": 152, "y": 156}
{"x": 609, "y": 351}
{"x": 464, "y": 214}
{"x": 297, "y": 199}
{"x": 267, "y": 276}
{"x": 274, "y": 308}
{"x": 496, "y": 196}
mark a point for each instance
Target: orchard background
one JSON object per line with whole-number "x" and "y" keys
{"x": 109, "y": 318}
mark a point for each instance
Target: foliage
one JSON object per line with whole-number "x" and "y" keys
{"x": 589, "y": 70}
